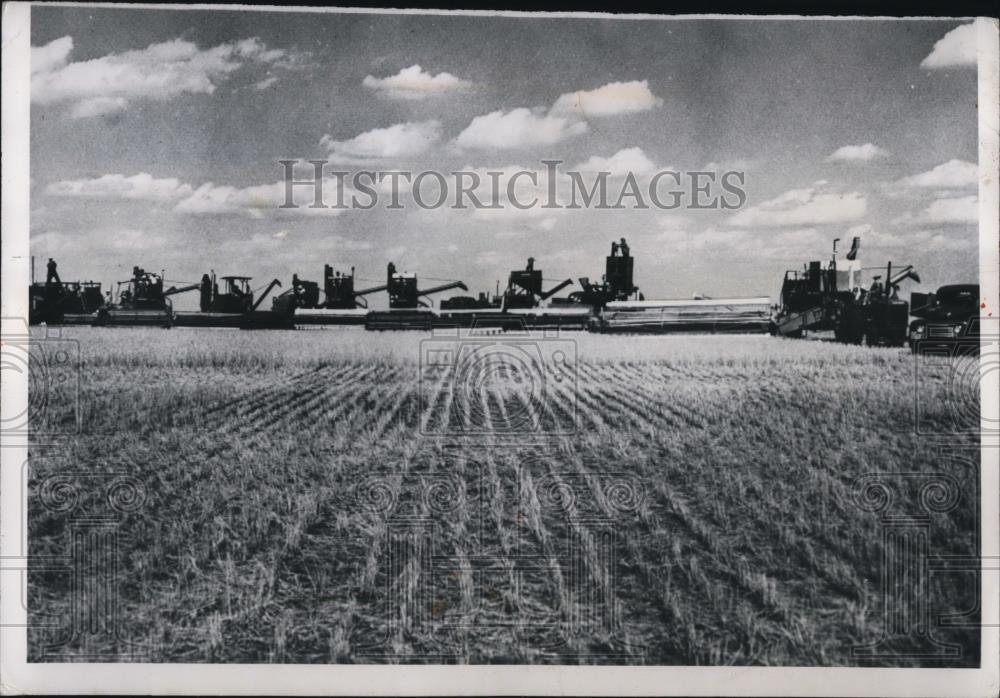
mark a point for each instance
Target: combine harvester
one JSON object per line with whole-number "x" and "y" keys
{"x": 824, "y": 299}
{"x": 518, "y": 307}
{"x": 406, "y": 309}
{"x": 57, "y": 303}
{"x": 341, "y": 305}
{"x": 142, "y": 302}
{"x": 621, "y": 308}
{"x": 230, "y": 307}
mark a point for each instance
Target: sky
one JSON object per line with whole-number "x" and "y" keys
{"x": 156, "y": 137}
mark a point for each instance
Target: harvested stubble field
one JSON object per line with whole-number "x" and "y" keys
{"x": 303, "y": 498}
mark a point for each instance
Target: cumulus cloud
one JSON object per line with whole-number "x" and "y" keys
{"x": 608, "y": 100}
{"x": 207, "y": 198}
{"x": 57, "y": 243}
{"x": 926, "y": 240}
{"x": 51, "y": 56}
{"x": 158, "y": 72}
{"x": 858, "y": 153}
{"x": 519, "y": 128}
{"x": 620, "y": 164}
{"x": 954, "y": 174}
{"x": 265, "y": 83}
{"x": 98, "y": 106}
{"x": 414, "y": 84}
{"x": 803, "y": 207}
{"x": 215, "y": 199}
{"x": 930, "y": 240}
{"x": 397, "y": 141}
{"x": 523, "y": 127}
{"x": 962, "y": 210}
{"x": 258, "y": 199}
{"x": 955, "y": 49}
{"x": 140, "y": 187}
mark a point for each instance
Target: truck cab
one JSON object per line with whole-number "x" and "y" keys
{"x": 946, "y": 318}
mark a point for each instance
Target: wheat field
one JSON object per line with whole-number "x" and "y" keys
{"x": 327, "y": 496}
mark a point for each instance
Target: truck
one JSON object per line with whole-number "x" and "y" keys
{"x": 946, "y": 318}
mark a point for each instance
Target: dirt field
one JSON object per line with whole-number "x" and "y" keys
{"x": 342, "y": 496}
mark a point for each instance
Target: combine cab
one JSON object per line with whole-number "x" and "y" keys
{"x": 827, "y": 298}
{"x": 225, "y": 306}
{"x": 236, "y": 296}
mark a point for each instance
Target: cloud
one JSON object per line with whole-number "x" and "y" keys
{"x": 98, "y": 106}
{"x": 924, "y": 240}
{"x": 158, "y": 72}
{"x": 523, "y": 127}
{"x": 56, "y": 243}
{"x": 611, "y": 99}
{"x": 691, "y": 240}
{"x": 870, "y": 237}
{"x": 255, "y": 200}
{"x": 803, "y": 207}
{"x": 397, "y": 141}
{"x": 208, "y": 198}
{"x": 784, "y": 245}
{"x": 282, "y": 240}
{"x": 858, "y": 153}
{"x": 962, "y": 210}
{"x": 265, "y": 83}
{"x": 954, "y": 174}
{"x": 945, "y": 243}
{"x": 414, "y": 84}
{"x": 213, "y": 199}
{"x": 519, "y": 128}
{"x": 620, "y": 164}
{"x": 140, "y": 187}
{"x": 136, "y": 240}
{"x": 955, "y": 49}
{"x": 51, "y": 56}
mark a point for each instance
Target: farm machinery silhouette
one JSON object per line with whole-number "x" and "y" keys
{"x": 142, "y": 300}
{"x": 834, "y": 297}
{"x": 831, "y": 298}
{"x": 58, "y": 302}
